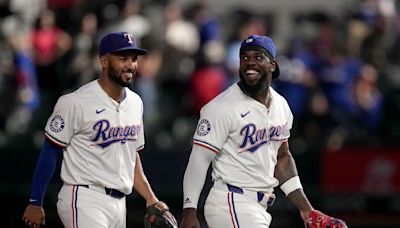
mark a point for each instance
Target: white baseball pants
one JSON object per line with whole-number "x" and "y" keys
{"x": 81, "y": 207}
{"x": 233, "y": 210}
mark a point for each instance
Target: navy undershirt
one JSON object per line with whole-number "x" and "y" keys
{"x": 44, "y": 170}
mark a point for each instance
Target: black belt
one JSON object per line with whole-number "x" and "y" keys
{"x": 108, "y": 191}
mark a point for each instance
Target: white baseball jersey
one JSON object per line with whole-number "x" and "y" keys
{"x": 246, "y": 137}
{"x": 100, "y": 137}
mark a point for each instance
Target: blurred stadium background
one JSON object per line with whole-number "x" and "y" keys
{"x": 340, "y": 72}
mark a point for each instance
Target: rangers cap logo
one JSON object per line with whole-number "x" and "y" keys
{"x": 249, "y": 40}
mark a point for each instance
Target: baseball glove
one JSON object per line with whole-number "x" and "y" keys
{"x": 158, "y": 216}
{"x": 317, "y": 219}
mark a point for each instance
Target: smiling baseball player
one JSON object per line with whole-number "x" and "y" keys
{"x": 99, "y": 130}
{"x": 244, "y": 133}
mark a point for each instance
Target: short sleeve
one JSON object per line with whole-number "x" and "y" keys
{"x": 212, "y": 128}
{"x": 64, "y": 121}
{"x": 289, "y": 118}
{"x": 140, "y": 140}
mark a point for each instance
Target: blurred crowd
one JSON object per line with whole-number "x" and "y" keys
{"x": 339, "y": 73}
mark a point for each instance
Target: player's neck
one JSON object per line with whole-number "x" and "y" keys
{"x": 264, "y": 98}
{"x": 114, "y": 92}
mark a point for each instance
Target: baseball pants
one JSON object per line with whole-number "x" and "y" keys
{"x": 81, "y": 207}
{"x": 233, "y": 210}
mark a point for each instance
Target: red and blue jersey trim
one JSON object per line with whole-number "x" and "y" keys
{"x": 206, "y": 145}
{"x": 54, "y": 140}
{"x": 232, "y": 210}
{"x": 74, "y": 206}
{"x": 140, "y": 148}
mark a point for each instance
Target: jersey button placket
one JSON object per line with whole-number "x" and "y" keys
{"x": 266, "y": 122}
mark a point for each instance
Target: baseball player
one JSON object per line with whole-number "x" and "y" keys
{"x": 244, "y": 133}
{"x": 98, "y": 129}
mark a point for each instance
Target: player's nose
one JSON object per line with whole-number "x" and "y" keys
{"x": 250, "y": 62}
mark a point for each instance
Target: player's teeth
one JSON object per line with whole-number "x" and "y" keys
{"x": 251, "y": 72}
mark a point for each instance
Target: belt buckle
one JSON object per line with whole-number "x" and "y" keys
{"x": 266, "y": 199}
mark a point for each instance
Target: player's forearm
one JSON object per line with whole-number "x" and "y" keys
{"x": 286, "y": 173}
{"x": 299, "y": 199}
{"x": 44, "y": 171}
{"x": 142, "y": 185}
{"x": 195, "y": 175}
{"x": 147, "y": 193}
{"x": 192, "y": 188}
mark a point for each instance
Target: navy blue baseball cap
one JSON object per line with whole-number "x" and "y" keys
{"x": 119, "y": 41}
{"x": 266, "y": 44}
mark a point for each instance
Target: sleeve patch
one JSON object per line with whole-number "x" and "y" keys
{"x": 57, "y": 124}
{"x": 203, "y": 128}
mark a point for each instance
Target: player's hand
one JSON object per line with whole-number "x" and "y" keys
{"x": 189, "y": 219}
{"x": 305, "y": 214}
{"x": 34, "y": 216}
{"x": 158, "y": 215}
{"x": 317, "y": 219}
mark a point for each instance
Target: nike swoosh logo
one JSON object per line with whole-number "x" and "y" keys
{"x": 98, "y": 111}
{"x": 245, "y": 114}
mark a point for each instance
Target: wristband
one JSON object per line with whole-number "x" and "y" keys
{"x": 291, "y": 185}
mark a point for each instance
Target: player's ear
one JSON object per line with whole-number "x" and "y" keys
{"x": 273, "y": 64}
{"x": 103, "y": 60}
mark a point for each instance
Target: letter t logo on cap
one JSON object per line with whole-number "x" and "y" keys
{"x": 129, "y": 37}
{"x": 249, "y": 40}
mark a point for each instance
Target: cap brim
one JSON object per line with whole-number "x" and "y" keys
{"x": 138, "y": 51}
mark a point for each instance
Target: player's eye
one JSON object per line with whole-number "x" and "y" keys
{"x": 262, "y": 58}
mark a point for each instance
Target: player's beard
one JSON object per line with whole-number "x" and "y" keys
{"x": 257, "y": 88}
{"x": 116, "y": 76}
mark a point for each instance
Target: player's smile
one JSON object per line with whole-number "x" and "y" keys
{"x": 252, "y": 76}
{"x": 128, "y": 75}
{"x": 253, "y": 80}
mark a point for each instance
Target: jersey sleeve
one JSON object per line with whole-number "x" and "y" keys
{"x": 195, "y": 175}
{"x": 141, "y": 140}
{"x": 212, "y": 128}
{"x": 64, "y": 121}
{"x": 289, "y": 118}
